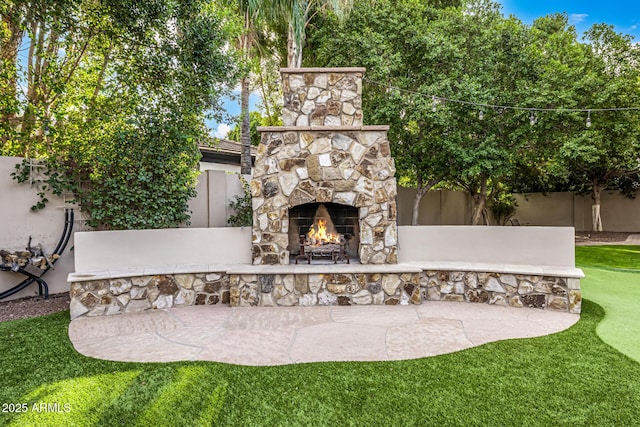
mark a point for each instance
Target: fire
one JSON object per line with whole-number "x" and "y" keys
{"x": 318, "y": 234}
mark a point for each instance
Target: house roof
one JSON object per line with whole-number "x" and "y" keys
{"x": 224, "y": 151}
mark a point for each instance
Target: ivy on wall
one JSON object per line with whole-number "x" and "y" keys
{"x": 242, "y": 206}
{"x": 142, "y": 177}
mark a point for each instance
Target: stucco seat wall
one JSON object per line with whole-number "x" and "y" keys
{"x": 515, "y": 266}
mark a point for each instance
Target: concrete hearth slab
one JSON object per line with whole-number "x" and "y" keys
{"x": 285, "y": 335}
{"x": 304, "y": 268}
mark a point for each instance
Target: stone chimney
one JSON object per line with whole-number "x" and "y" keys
{"x": 323, "y": 154}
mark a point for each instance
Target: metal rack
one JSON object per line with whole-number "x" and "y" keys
{"x": 35, "y": 274}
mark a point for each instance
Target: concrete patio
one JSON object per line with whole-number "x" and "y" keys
{"x": 260, "y": 336}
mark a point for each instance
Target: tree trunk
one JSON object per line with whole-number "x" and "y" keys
{"x": 480, "y": 203}
{"x": 596, "y": 219}
{"x": 245, "y": 130}
{"x": 422, "y": 190}
{"x": 294, "y": 52}
{"x": 416, "y": 205}
{"x": 9, "y": 58}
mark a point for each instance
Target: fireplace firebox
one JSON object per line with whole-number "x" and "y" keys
{"x": 323, "y": 228}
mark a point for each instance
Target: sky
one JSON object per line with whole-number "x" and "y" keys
{"x": 624, "y": 15}
{"x": 232, "y": 108}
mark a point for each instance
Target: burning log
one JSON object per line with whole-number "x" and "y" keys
{"x": 322, "y": 239}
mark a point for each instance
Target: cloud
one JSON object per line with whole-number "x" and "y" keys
{"x": 576, "y": 18}
{"x": 221, "y": 131}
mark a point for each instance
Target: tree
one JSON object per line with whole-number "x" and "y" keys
{"x": 599, "y": 74}
{"x": 610, "y": 147}
{"x": 261, "y": 19}
{"x": 496, "y": 67}
{"x": 265, "y": 78}
{"x": 504, "y": 97}
{"x": 395, "y": 42}
{"x": 470, "y": 54}
{"x": 253, "y": 14}
{"x": 105, "y": 82}
{"x": 296, "y": 16}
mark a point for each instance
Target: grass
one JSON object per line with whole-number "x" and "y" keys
{"x": 569, "y": 378}
{"x": 618, "y": 292}
{"x": 609, "y": 257}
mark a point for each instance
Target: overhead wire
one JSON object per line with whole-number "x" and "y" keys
{"x": 439, "y": 98}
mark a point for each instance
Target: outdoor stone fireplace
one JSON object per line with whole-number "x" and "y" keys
{"x": 323, "y": 171}
{"x": 324, "y": 155}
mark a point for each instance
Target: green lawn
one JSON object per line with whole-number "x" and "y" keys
{"x": 613, "y": 281}
{"x": 569, "y": 378}
{"x": 616, "y": 257}
{"x": 619, "y": 294}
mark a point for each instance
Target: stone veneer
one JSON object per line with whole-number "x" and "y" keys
{"x": 268, "y": 290}
{"x": 515, "y": 290}
{"x": 317, "y": 158}
{"x": 140, "y": 293}
{"x": 322, "y": 96}
{"x": 322, "y": 154}
{"x": 135, "y": 294}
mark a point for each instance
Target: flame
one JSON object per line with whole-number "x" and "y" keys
{"x": 320, "y": 236}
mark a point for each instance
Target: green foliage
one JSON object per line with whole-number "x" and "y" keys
{"x": 502, "y": 205}
{"x": 471, "y": 52}
{"x": 291, "y": 20}
{"x": 242, "y": 206}
{"x": 115, "y": 102}
{"x": 256, "y": 119}
{"x": 601, "y": 74}
{"x": 141, "y": 177}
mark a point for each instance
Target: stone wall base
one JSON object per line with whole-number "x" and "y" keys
{"x": 515, "y": 290}
{"x": 270, "y": 290}
{"x": 135, "y": 294}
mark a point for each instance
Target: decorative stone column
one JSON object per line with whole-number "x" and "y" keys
{"x": 323, "y": 153}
